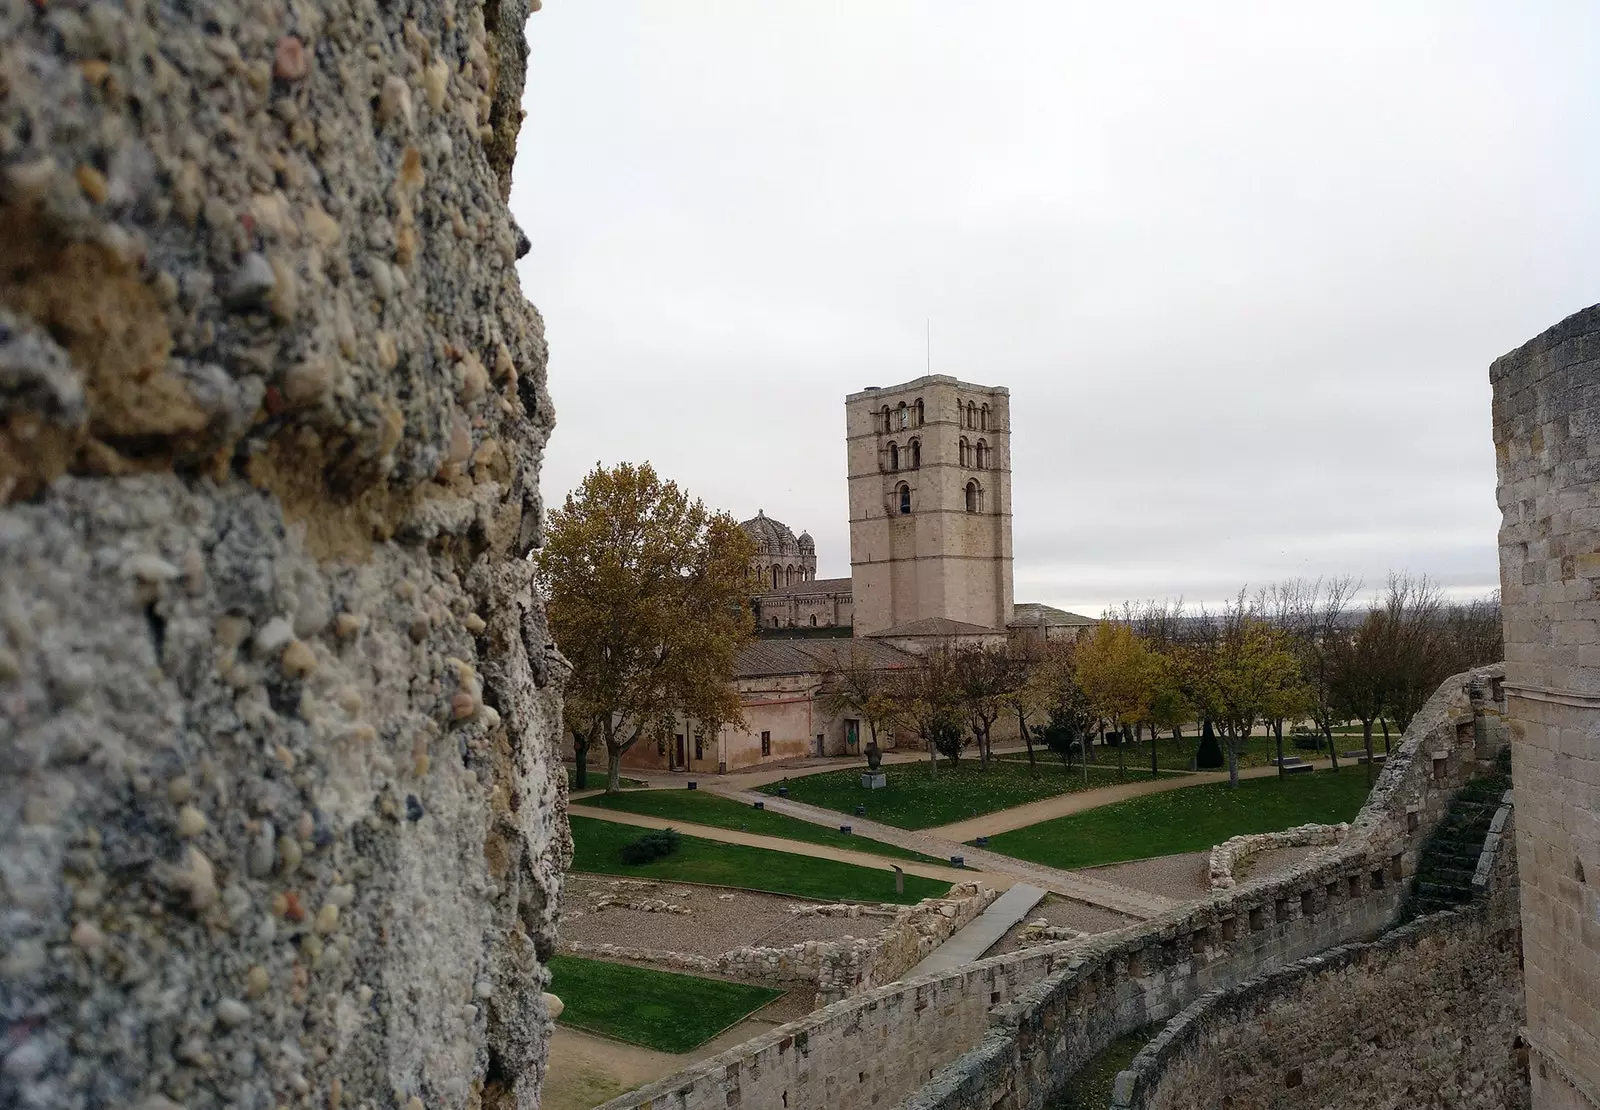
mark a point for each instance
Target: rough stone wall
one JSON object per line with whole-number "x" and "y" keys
{"x": 1231, "y": 854}
{"x": 1327, "y": 1031}
{"x": 278, "y": 820}
{"x": 1120, "y": 982}
{"x": 1547, "y": 446}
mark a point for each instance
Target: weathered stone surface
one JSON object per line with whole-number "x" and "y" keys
{"x": 1547, "y": 448}
{"x": 254, "y": 855}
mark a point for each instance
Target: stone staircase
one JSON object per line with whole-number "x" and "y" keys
{"x": 1450, "y": 857}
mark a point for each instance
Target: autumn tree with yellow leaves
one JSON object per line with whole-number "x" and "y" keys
{"x": 646, "y": 597}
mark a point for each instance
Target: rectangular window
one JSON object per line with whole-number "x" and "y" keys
{"x": 766, "y": 743}
{"x": 699, "y": 746}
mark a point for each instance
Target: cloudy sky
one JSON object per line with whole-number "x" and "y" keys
{"x": 1242, "y": 265}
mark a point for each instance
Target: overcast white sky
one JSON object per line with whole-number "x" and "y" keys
{"x": 1242, "y": 266}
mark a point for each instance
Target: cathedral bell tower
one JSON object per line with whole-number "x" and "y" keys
{"x": 929, "y": 465}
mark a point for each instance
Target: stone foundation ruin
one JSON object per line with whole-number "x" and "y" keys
{"x": 281, "y": 821}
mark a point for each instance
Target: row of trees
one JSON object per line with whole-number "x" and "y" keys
{"x": 646, "y": 597}
{"x": 1298, "y": 651}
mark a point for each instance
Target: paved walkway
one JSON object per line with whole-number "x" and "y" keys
{"x": 996, "y": 880}
{"x": 1017, "y": 817}
{"x": 970, "y": 942}
{"x": 1069, "y": 884}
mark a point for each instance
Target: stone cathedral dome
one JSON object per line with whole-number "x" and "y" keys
{"x": 773, "y": 537}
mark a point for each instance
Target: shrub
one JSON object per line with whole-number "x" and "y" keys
{"x": 653, "y": 845}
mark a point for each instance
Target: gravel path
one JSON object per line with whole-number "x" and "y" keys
{"x": 1073, "y": 884}
{"x": 719, "y": 921}
{"x": 1181, "y": 877}
{"x": 1272, "y": 862}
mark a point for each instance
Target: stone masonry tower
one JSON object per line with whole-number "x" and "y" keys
{"x": 1547, "y": 445}
{"x": 929, "y": 466}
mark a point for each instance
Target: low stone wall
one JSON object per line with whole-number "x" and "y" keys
{"x": 1327, "y": 1030}
{"x": 1035, "y": 1016}
{"x": 839, "y": 968}
{"x": 1227, "y": 857}
{"x": 1119, "y": 982}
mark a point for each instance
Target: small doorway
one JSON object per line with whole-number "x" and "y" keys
{"x": 821, "y": 740}
{"x": 852, "y": 734}
{"x": 683, "y": 756}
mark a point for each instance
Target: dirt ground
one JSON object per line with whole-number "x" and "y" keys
{"x": 1061, "y": 911}
{"x": 718, "y": 921}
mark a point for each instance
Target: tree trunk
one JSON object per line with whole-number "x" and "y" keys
{"x": 1155, "y": 764}
{"x": 1366, "y": 738}
{"x": 1327, "y": 732}
{"x": 613, "y": 759}
{"x": 1233, "y": 758}
{"x": 933, "y": 759}
{"x": 983, "y": 747}
{"x": 1277, "y": 729}
{"x": 1122, "y": 752}
{"x": 1384, "y": 721}
{"x": 1027, "y": 737}
{"x": 580, "y": 754}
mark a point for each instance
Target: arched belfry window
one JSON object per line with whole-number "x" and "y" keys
{"x": 775, "y": 573}
{"x": 974, "y": 497}
{"x": 903, "y": 415}
{"x": 983, "y": 418}
{"x": 915, "y": 449}
{"x": 983, "y": 455}
{"x": 972, "y": 415}
{"x": 894, "y": 457}
{"x": 885, "y": 415}
{"x": 902, "y": 495}
{"x": 966, "y": 452}
{"x": 919, "y": 411}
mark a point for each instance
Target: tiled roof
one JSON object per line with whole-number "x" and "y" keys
{"x": 937, "y": 626}
{"x": 815, "y": 586}
{"x": 1034, "y": 613}
{"x": 815, "y": 656}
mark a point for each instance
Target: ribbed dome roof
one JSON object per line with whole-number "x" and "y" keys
{"x": 806, "y": 542}
{"x": 773, "y": 537}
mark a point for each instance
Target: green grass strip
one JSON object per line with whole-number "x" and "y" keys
{"x": 1191, "y": 819}
{"x": 597, "y": 846}
{"x": 918, "y": 799}
{"x": 702, "y": 808}
{"x": 663, "y": 1010}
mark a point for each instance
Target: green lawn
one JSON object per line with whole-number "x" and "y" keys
{"x": 597, "y": 781}
{"x": 1090, "y": 1089}
{"x": 702, "y": 808}
{"x": 1188, "y": 820}
{"x": 597, "y": 844}
{"x": 662, "y": 1010}
{"x": 915, "y": 800}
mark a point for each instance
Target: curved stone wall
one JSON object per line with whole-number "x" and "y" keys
{"x": 1127, "y": 980}
{"x": 1229, "y": 856}
{"x": 1427, "y": 1015}
{"x": 278, "y": 814}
